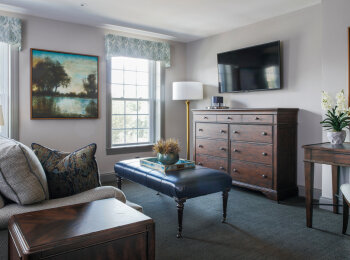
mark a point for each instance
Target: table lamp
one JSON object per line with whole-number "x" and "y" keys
{"x": 1, "y": 117}
{"x": 187, "y": 90}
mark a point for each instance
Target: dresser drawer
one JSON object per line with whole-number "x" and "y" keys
{"x": 251, "y": 133}
{"x": 252, "y": 173}
{"x": 212, "y": 130}
{"x": 212, "y": 162}
{"x": 204, "y": 118}
{"x": 212, "y": 147}
{"x": 267, "y": 119}
{"x": 260, "y": 153}
{"x": 229, "y": 118}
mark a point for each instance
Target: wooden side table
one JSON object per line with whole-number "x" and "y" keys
{"x": 103, "y": 229}
{"x": 323, "y": 153}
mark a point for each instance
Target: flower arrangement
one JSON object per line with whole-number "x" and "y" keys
{"x": 167, "y": 151}
{"x": 337, "y": 116}
{"x": 166, "y": 146}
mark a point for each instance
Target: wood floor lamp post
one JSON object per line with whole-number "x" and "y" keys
{"x": 187, "y": 90}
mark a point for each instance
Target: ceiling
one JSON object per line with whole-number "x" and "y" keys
{"x": 181, "y": 20}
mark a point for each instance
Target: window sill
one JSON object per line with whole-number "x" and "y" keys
{"x": 129, "y": 149}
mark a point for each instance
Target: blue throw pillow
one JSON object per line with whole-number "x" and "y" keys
{"x": 69, "y": 173}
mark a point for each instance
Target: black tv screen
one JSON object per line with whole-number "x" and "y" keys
{"x": 250, "y": 69}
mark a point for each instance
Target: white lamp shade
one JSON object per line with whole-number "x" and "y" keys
{"x": 187, "y": 90}
{"x": 1, "y": 116}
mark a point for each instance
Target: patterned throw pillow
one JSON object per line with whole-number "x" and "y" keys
{"x": 2, "y": 202}
{"x": 69, "y": 173}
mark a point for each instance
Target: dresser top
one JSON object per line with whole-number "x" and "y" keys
{"x": 248, "y": 110}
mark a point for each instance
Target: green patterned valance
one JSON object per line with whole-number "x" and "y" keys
{"x": 10, "y": 30}
{"x": 130, "y": 47}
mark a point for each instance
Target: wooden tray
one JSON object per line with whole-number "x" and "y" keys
{"x": 153, "y": 163}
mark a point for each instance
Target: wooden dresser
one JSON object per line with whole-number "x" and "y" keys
{"x": 257, "y": 147}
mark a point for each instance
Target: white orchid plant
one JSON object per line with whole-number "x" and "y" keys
{"x": 337, "y": 115}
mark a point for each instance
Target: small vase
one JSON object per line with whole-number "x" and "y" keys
{"x": 336, "y": 137}
{"x": 168, "y": 159}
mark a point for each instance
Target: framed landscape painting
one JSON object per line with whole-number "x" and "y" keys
{"x": 63, "y": 85}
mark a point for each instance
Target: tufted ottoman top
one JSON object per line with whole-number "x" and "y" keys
{"x": 184, "y": 184}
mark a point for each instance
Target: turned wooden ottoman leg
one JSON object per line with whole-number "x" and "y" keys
{"x": 345, "y": 215}
{"x": 180, "y": 211}
{"x": 119, "y": 182}
{"x": 224, "y": 204}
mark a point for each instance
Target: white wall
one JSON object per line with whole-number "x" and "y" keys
{"x": 300, "y": 34}
{"x": 69, "y": 135}
{"x": 335, "y": 23}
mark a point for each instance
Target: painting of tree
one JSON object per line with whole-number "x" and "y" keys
{"x": 63, "y": 85}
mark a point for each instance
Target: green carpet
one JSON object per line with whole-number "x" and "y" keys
{"x": 256, "y": 228}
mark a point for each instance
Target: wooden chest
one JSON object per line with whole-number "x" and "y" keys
{"x": 103, "y": 229}
{"x": 257, "y": 147}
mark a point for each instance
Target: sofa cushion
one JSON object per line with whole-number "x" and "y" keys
{"x": 22, "y": 178}
{"x": 98, "y": 193}
{"x": 134, "y": 206}
{"x": 69, "y": 173}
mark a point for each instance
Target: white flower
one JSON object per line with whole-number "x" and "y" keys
{"x": 326, "y": 101}
{"x": 341, "y": 103}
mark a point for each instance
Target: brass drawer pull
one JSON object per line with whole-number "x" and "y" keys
{"x": 235, "y": 150}
{"x": 263, "y": 133}
{"x": 222, "y": 131}
{"x": 235, "y": 132}
{"x": 200, "y": 163}
{"x": 222, "y": 149}
{"x": 221, "y": 168}
{"x": 264, "y": 154}
{"x": 200, "y": 146}
{"x": 200, "y": 130}
{"x": 264, "y": 176}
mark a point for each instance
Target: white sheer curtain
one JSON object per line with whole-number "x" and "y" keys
{"x": 5, "y": 83}
{"x": 9, "y": 89}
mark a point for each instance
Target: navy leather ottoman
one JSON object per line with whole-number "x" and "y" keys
{"x": 181, "y": 185}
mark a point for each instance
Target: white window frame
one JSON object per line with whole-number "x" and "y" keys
{"x": 156, "y": 98}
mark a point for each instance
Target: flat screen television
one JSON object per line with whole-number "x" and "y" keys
{"x": 250, "y": 69}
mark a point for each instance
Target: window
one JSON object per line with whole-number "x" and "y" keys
{"x": 134, "y": 101}
{"x": 9, "y": 89}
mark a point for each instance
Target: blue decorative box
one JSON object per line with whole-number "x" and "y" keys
{"x": 153, "y": 163}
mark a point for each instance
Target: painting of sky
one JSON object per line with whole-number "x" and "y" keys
{"x": 76, "y": 66}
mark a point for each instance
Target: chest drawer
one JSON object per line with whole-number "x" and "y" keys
{"x": 212, "y": 130}
{"x": 251, "y": 173}
{"x": 267, "y": 119}
{"x": 220, "y": 164}
{"x": 204, "y": 118}
{"x": 251, "y": 133}
{"x": 212, "y": 147}
{"x": 252, "y": 152}
{"x": 229, "y": 118}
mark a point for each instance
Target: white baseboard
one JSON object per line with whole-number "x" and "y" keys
{"x": 108, "y": 177}
{"x": 324, "y": 200}
{"x": 317, "y": 192}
